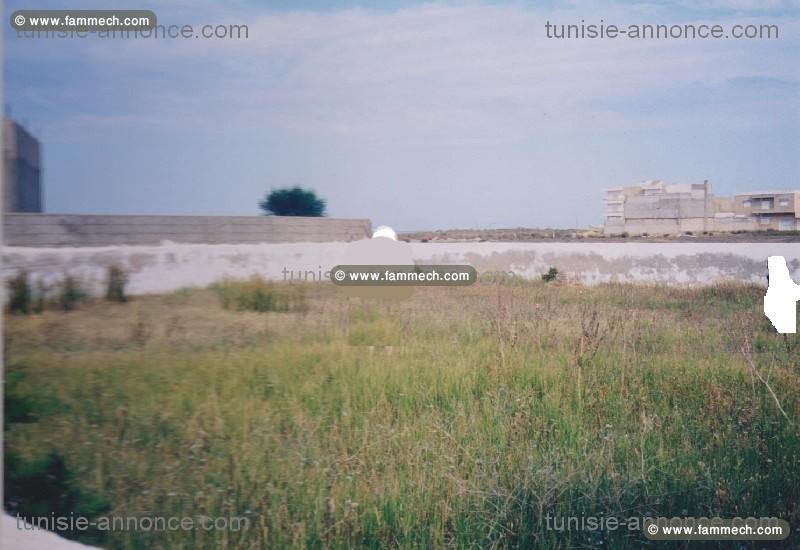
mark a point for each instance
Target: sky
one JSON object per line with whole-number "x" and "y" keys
{"x": 415, "y": 115}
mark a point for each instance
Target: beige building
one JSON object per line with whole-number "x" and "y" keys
{"x": 22, "y": 172}
{"x": 655, "y": 208}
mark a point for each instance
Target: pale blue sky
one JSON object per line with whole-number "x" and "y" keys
{"x": 417, "y": 115}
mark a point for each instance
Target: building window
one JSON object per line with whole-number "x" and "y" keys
{"x": 763, "y": 220}
{"x": 784, "y": 202}
{"x": 766, "y": 204}
{"x": 747, "y": 204}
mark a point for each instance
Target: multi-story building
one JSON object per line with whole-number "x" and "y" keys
{"x": 654, "y": 208}
{"x": 22, "y": 188}
{"x": 769, "y": 209}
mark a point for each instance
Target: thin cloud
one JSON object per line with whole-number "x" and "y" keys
{"x": 438, "y": 73}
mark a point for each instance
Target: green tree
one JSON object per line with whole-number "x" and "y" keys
{"x": 293, "y": 201}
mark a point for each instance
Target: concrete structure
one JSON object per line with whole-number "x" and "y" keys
{"x": 655, "y": 208}
{"x": 78, "y": 230}
{"x": 170, "y": 267}
{"x": 769, "y": 209}
{"x": 22, "y": 172}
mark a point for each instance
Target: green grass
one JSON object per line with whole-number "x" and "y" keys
{"x": 469, "y": 431}
{"x": 257, "y": 294}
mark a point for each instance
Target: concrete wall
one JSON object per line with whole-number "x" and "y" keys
{"x": 75, "y": 230}
{"x": 693, "y": 225}
{"x": 696, "y": 225}
{"x": 658, "y": 207}
{"x": 169, "y": 267}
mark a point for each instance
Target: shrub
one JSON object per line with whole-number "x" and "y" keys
{"x": 293, "y": 202}
{"x": 70, "y": 293}
{"x": 17, "y": 408}
{"x": 19, "y": 293}
{"x": 45, "y": 488}
{"x": 257, "y": 294}
{"x": 551, "y": 275}
{"x": 116, "y": 280}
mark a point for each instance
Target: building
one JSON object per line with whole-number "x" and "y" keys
{"x": 767, "y": 209}
{"x": 22, "y": 172}
{"x": 655, "y": 208}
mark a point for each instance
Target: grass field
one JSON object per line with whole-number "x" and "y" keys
{"x": 494, "y": 407}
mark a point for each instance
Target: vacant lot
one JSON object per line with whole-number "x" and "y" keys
{"x": 494, "y": 407}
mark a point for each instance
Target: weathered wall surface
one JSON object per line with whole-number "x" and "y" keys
{"x": 671, "y": 263}
{"x": 661, "y": 207}
{"x": 77, "y": 230}
{"x": 171, "y": 266}
{"x": 668, "y": 226}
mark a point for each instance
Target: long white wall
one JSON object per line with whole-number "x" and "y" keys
{"x": 167, "y": 267}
